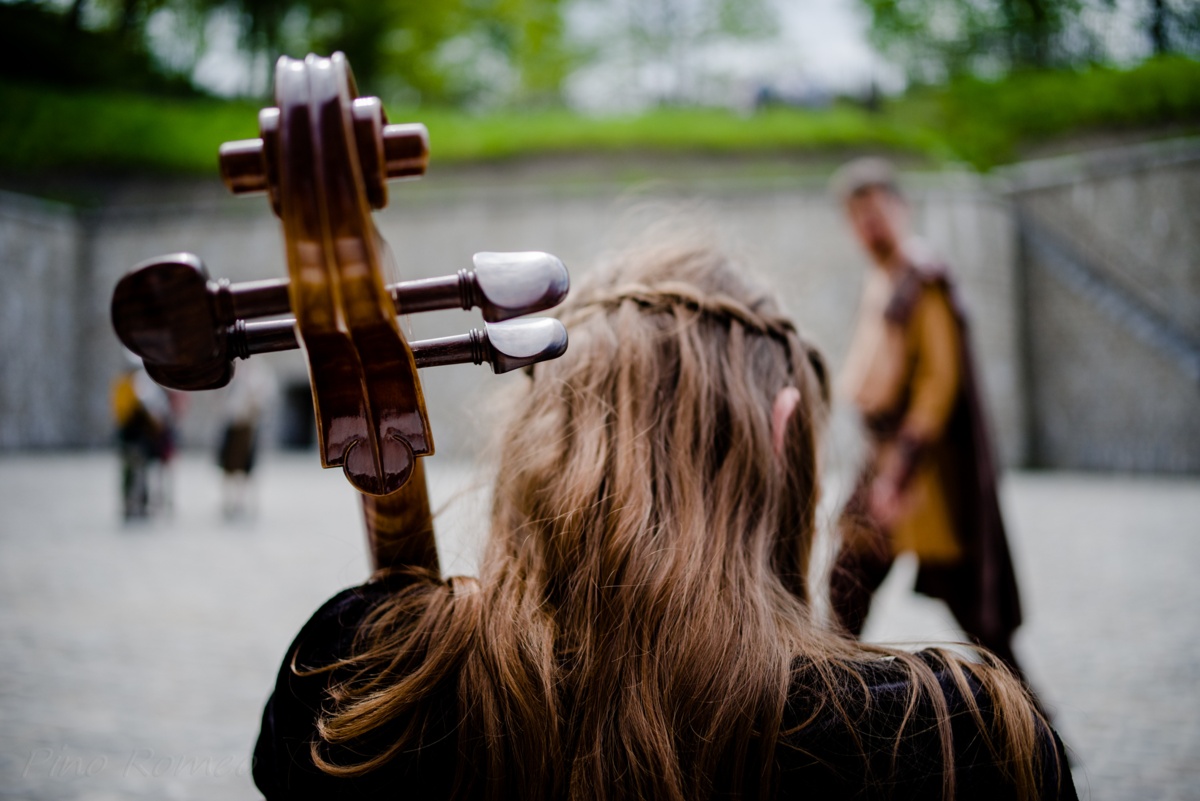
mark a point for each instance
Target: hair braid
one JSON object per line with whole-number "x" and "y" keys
{"x": 666, "y": 296}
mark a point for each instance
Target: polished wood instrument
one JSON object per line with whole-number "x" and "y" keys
{"x": 323, "y": 160}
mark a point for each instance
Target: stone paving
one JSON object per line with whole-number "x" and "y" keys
{"x": 135, "y": 658}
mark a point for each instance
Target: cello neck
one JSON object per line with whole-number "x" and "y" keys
{"x": 399, "y": 526}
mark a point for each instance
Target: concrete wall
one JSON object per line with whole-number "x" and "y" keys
{"x": 781, "y": 222}
{"x": 40, "y": 334}
{"x": 793, "y": 236}
{"x": 1112, "y": 287}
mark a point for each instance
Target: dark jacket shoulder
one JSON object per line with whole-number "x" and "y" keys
{"x": 873, "y": 738}
{"x": 283, "y": 764}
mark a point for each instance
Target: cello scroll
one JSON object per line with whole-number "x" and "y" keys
{"x": 323, "y": 159}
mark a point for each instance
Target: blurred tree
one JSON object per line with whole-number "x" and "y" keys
{"x": 1173, "y": 26}
{"x": 43, "y": 44}
{"x": 130, "y": 15}
{"x": 450, "y": 51}
{"x": 665, "y": 48}
{"x": 534, "y": 40}
{"x": 937, "y": 39}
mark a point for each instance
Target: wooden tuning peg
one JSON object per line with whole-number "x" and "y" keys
{"x": 163, "y": 312}
{"x": 386, "y": 152}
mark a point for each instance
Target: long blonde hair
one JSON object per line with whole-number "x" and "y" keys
{"x": 643, "y": 600}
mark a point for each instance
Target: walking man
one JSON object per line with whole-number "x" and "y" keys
{"x": 929, "y": 482}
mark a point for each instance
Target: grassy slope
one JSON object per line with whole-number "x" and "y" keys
{"x": 54, "y": 128}
{"x": 979, "y": 122}
{"x": 988, "y": 123}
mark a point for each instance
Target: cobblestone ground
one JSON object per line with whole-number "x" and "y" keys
{"x": 135, "y": 658}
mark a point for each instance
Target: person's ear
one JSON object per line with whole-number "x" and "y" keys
{"x": 786, "y": 401}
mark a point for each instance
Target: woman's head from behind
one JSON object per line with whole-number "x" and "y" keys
{"x": 650, "y": 451}
{"x": 651, "y": 523}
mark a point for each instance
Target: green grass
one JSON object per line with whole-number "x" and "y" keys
{"x": 983, "y": 123}
{"x": 54, "y": 128}
{"x": 458, "y": 138}
{"x": 988, "y": 123}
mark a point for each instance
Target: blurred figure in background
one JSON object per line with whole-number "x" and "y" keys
{"x": 249, "y": 395}
{"x": 929, "y": 482}
{"x": 143, "y": 416}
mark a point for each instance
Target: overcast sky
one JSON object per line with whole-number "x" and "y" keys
{"x": 830, "y": 39}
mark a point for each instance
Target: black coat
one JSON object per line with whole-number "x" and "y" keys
{"x": 824, "y": 759}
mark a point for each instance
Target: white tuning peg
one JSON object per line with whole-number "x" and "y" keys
{"x": 507, "y": 285}
{"x": 505, "y": 346}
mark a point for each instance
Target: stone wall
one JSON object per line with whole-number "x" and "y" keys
{"x": 1111, "y": 265}
{"x": 792, "y": 235}
{"x": 782, "y": 224}
{"x": 41, "y": 258}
